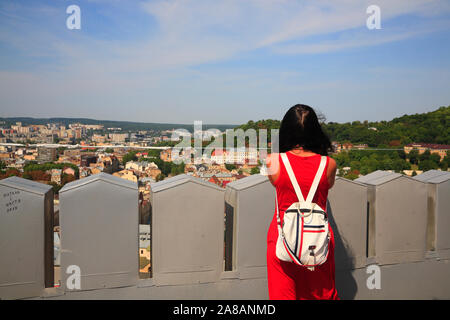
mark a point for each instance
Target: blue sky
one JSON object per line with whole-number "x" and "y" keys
{"x": 223, "y": 61}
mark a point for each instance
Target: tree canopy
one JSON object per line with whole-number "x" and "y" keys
{"x": 430, "y": 127}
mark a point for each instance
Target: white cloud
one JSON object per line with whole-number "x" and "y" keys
{"x": 78, "y": 68}
{"x": 360, "y": 38}
{"x": 214, "y": 30}
{"x": 193, "y": 32}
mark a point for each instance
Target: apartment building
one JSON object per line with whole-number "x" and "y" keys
{"x": 440, "y": 149}
{"x": 46, "y": 154}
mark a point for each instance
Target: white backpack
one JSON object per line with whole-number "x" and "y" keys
{"x": 303, "y": 236}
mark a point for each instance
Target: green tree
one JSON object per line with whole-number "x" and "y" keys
{"x": 401, "y": 154}
{"x": 13, "y": 172}
{"x": 230, "y": 166}
{"x": 413, "y": 156}
{"x": 425, "y": 156}
{"x": 56, "y": 187}
{"x": 399, "y": 165}
{"x": 254, "y": 170}
{"x": 426, "y": 165}
{"x": 445, "y": 163}
{"x": 352, "y": 175}
{"x": 355, "y": 165}
{"x": 33, "y": 166}
{"x": 143, "y": 262}
{"x": 435, "y": 158}
{"x": 154, "y": 153}
{"x": 130, "y": 156}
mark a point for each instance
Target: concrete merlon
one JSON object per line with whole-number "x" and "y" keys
{"x": 198, "y": 228}
{"x": 100, "y": 177}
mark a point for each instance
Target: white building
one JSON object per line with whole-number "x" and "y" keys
{"x": 140, "y": 165}
{"x": 118, "y": 137}
{"x": 238, "y": 156}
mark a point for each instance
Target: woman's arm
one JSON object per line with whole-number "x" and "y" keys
{"x": 331, "y": 172}
{"x": 273, "y": 167}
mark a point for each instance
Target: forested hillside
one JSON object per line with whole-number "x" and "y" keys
{"x": 431, "y": 127}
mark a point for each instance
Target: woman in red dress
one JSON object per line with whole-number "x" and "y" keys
{"x": 302, "y": 139}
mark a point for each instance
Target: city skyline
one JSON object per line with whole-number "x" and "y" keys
{"x": 72, "y": 120}
{"x": 222, "y": 62}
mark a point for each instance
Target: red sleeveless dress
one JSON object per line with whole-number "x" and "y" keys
{"x": 286, "y": 280}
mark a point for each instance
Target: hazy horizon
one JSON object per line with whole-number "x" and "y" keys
{"x": 204, "y": 123}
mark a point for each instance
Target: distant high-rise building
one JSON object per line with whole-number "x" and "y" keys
{"x": 46, "y": 154}
{"x": 87, "y": 159}
{"x": 78, "y": 133}
{"x": 118, "y": 137}
{"x": 98, "y": 138}
{"x": 72, "y": 152}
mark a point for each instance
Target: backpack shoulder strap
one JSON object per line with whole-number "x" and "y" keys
{"x": 291, "y": 174}
{"x": 315, "y": 184}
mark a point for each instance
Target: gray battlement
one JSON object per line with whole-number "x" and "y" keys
{"x": 210, "y": 243}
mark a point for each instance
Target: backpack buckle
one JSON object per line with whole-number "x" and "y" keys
{"x": 305, "y": 209}
{"x": 311, "y": 249}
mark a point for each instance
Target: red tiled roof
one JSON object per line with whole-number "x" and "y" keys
{"x": 429, "y": 145}
{"x": 214, "y": 179}
{"x": 218, "y": 152}
{"x": 225, "y": 182}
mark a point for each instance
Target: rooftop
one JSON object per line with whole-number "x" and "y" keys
{"x": 378, "y": 177}
{"x": 179, "y": 180}
{"x": 99, "y": 177}
{"x": 433, "y": 176}
{"x": 26, "y": 185}
{"x": 429, "y": 145}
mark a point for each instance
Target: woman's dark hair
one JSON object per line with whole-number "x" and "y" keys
{"x": 300, "y": 127}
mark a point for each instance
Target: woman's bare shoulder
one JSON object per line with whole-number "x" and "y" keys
{"x": 272, "y": 158}
{"x": 332, "y": 163}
